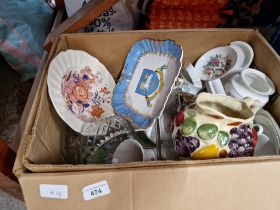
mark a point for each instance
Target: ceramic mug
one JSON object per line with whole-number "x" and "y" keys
{"x": 131, "y": 150}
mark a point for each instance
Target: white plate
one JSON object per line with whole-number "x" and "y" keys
{"x": 240, "y": 56}
{"x": 271, "y": 129}
{"x": 81, "y": 89}
{"x": 247, "y": 51}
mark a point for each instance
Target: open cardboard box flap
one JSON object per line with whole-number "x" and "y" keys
{"x": 147, "y": 185}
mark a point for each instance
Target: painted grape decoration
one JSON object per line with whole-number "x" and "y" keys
{"x": 186, "y": 145}
{"x": 241, "y": 142}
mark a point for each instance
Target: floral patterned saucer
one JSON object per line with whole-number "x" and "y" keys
{"x": 150, "y": 70}
{"x": 80, "y": 88}
{"x": 216, "y": 63}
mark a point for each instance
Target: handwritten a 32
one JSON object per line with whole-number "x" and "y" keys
{"x": 56, "y": 194}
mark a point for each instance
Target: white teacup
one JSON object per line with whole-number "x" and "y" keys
{"x": 250, "y": 83}
{"x": 257, "y": 82}
{"x": 131, "y": 150}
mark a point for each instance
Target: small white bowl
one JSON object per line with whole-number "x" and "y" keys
{"x": 216, "y": 63}
{"x": 247, "y": 51}
{"x": 258, "y": 82}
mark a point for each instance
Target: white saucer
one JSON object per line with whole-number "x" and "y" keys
{"x": 247, "y": 52}
{"x": 271, "y": 129}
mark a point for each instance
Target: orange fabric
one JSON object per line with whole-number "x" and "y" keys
{"x": 197, "y": 4}
{"x": 165, "y": 14}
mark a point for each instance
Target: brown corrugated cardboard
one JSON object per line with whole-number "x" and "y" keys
{"x": 223, "y": 186}
{"x": 244, "y": 183}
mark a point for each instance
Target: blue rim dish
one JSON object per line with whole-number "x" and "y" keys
{"x": 140, "y": 48}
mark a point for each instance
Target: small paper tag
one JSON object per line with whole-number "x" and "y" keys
{"x": 96, "y": 190}
{"x": 54, "y": 191}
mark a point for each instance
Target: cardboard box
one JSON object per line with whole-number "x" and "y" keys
{"x": 237, "y": 183}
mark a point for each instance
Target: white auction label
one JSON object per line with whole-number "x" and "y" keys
{"x": 54, "y": 191}
{"x": 96, "y": 190}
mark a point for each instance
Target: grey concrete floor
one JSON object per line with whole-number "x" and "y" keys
{"x": 8, "y": 202}
{"x": 9, "y": 82}
{"x": 13, "y": 96}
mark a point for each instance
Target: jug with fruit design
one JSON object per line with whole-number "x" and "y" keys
{"x": 217, "y": 126}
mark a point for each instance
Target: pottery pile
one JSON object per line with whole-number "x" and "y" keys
{"x": 157, "y": 101}
{"x": 226, "y": 70}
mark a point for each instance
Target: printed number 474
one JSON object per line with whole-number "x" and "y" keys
{"x": 96, "y": 192}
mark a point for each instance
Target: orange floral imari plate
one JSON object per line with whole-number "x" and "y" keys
{"x": 80, "y": 88}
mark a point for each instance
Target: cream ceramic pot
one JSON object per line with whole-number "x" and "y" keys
{"x": 217, "y": 126}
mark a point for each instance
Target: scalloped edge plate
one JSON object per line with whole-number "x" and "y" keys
{"x": 75, "y": 60}
{"x": 150, "y": 71}
{"x": 270, "y": 128}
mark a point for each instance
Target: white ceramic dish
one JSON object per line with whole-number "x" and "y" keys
{"x": 237, "y": 89}
{"x": 247, "y": 52}
{"x": 271, "y": 130}
{"x": 189, "y": 73}
{"x": 80, "y": 88}
{"x": 216, "y": 63}
{"x": 188, "y": 87}
{"x": 257, "y": 81}
{"x": 190, "y": 82}
{"x": 240, "y": 56}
